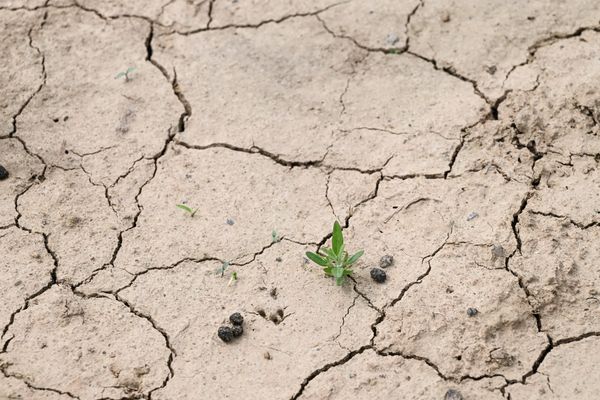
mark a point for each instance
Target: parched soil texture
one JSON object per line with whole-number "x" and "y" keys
{"x": 167, "y": 163}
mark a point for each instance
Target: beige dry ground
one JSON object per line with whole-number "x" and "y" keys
{"x": 461, "y": 137}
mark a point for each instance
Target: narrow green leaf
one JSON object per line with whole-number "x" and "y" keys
{"x": 327, "y": 271}
{"x": 355, "y": 257}
{"x": 187, "y": 209}
{"x": 347, "y": 272}
{"x": 130, "y": 69}
{"x": 317, "y": 259}
{"x": 337, "y": 240}
{"x": 120, "y": 74}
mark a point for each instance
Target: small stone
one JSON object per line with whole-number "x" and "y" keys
{"x": 491, "y": 69}
{"x": 498, "y": 252}
{"x": 378, "y": 275}
{"x": 278, "y": 259}
{"x": 445, "y": 17}
{"x": 452, "y": 394}
{"x": 3, "y": 173}
{"x": 386, "y": 261}
{"x": 391, "y": 39}
{"x": 230, "y": 221}
{"x": 225, "y": 333}
{"x": 267, "y": 355}
{"x": 472, "y": 216}
{"x": 273, "y": 293}
{"x": 237, "y": 330}
{"x": 236, "y": 318}
{"x": 471, "y": 312}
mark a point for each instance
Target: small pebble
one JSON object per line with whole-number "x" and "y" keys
{"x": 445, "y": 17}
{"x": 267, "y": 355}
{"x": 391, "y": 39}
{"x": 3, "y": 173}
{"x": 278, "y": 259}
{"x": 452, "y": 394}
{"x": 225, "y": 333}
{"x": 236, "y": 318}
{"x": 498, "y": 252}
{"x": 471, "y": 312}
{"x": 378, "y": 275}
{"x": 472, "y": 216}
{"x": 386, "y": 261}
{"x": 230, "y": 221}
{"x": 237, "y": 330}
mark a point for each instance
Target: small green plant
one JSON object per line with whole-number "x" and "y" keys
{"x": 335, "y": 260}
{"x": 233, "y": 278}
{"x": 223, "y": 268}
{"x": 187, "y": 209}
{"x": 275, "y": 237}
{"x": 125, "y": 74}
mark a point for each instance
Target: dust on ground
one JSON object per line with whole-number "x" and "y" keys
{"x": 459, "y": 137}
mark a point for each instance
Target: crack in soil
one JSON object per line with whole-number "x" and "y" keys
{"x": 327, "y": 367}
{"x": 43, "y": 74}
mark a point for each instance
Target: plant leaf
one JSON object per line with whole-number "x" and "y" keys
{"x": 327, "y": 271}
{"x": 130, "y": 69}
{"x": 317, "y": 259}
{"x": 338, "y": 239}
{"x": 328, "y": 252}
{"x": 186, "y": 208}
{"x": 355, "y": 257}
{"x": 338, "y": 272}
{"x": 120, "y": 74}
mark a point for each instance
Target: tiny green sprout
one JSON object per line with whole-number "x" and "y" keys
{"x": 223, "y": 268}
{"x": 125, "y": 74}
{"x": 275, "y": 237}
{"x": 187, "y": 209}
{"x": 335, "y": 260}
{"x": 233, "y": 278}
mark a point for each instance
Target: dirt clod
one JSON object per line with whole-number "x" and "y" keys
{"x": 237, "y": 330}
{"x": 236, "y": 318}
{"x": 452, "y": 394}
{"x": 386, "y": 261}
{"x": 225, "y": 333}
{"x": 471, "y": 312}
{"x": 378, "y": 275}
{"x": 3, "y": 173}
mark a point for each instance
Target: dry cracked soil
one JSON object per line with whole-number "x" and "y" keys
{"x": 462, "y": 138}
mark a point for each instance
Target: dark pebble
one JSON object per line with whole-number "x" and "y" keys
{"x": 452, "y": 394}
{"x": 237, "y": 330}
{"x": 3, "y": 173}
{"x": 386, "y": 261}
{"x": 236, "y": 318}
{"x": 471, "y": 312}
{"x": 225, "y": 334}
{"x": 378, "y": 275}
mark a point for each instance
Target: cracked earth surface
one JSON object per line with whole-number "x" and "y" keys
{"x": 461, "y": 138}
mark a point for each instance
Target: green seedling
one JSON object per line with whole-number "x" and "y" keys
{"x": 335, "y": 260}
{"x": 223, "y": 268}
{"x": 233, "y": 278}
{"x": 275, "y": 237}
{"x": 125, "y": 74}
{"x": 187, "y": 209}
